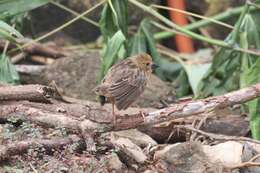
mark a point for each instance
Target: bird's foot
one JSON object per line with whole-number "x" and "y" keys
{"x": 113, "y": 119}
{"x": 143, "y": 114}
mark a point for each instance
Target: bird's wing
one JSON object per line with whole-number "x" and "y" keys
{"x": 117, "y": 71}
{"x": 127, "y": 89}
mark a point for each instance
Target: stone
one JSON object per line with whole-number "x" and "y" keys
{"x": 137, "y": 137}
{"x": 113, "y": 163}
{"x": 128, "y": 151}
{"x": 228, "y": 153}
{"x": 186, "y": 157}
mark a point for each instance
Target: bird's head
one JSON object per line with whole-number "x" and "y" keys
{"x": 144, "y": 62}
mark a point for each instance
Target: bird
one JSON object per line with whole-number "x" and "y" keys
{"x": 125, "y": 81}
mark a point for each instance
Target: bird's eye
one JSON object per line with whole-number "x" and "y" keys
{"x": 147, "y": 64}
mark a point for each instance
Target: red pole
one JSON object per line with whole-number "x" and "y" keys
{"x": 184, "y": 44}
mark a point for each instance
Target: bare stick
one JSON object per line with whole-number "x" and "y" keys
{"x": 219, "y": 136}
{"x": 248, "y": 163}
{"x": 38, "y": 48}
{"x": 30, "y": 69}
{"x": 26, "y": 92}
{"x": 15, "y": 148}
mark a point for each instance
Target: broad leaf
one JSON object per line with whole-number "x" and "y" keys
{"x": 8, "y": 73}
{"x": 114, "y": 17}
{"x": 10, "y": 8}
{"x": 9, "y": 33}
{"x": 111, "y": 53}
{"x": 195, "y": 73}
{"x": 223, "y": 74}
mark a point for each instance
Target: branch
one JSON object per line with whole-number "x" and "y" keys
{"x": 26, "y": 92}
{"x": 219, "y": 136}
{"x": 38, "y": 49}
{"x": 248, "y": 163}
{"x": 15, "y": 148}
{"x": 30, "y": 69}
{"x": 93, "y": 119}
{"x": 190, "y": 108}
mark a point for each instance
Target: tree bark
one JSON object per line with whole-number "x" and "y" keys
{"x": 93, "y": 119}
{"x": 15, "y": 148}
{"x": 26, "y": 92}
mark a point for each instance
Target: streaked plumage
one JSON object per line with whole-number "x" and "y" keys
{"x": 125, "y": 81}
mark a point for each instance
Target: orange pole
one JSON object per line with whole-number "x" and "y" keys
{"x": 184, "y": 44}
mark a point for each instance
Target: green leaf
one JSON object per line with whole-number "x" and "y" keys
{"x": 111, "y": 22}
{"x": 10, "y": 29}
{"x": 137, "y": 44}
{"x": 10, "y": 8}
{"x": 9, "y": 33}
{"x": 183, "y": 86}
{"x": 195, "y": 73}
{"x": 111, "y": 52}
{"x": 232, "y": 70}
{"x": 8, "y": 73}
{"x": 223, "y": 74}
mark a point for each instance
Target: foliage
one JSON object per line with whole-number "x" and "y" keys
{"x": 111, "y": 52}
{"x": 113, "y": 26}
{"x": 9, "y": 33}
{"x": 231, "y": 70}
{"x": 8, "y": 73}
{"x": 11, "y": 8}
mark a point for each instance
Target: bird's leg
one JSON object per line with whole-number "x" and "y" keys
{"x": 113, "y": 112}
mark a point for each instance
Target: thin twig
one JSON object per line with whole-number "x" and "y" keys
{"x": 219, "y": 136}
{"x": 203, "y": 31}
{"x": 201, "y": 122}
{"x": 74, "y": 13}
{"x": 248, "y": 163}
{"x": 193, "y": 14}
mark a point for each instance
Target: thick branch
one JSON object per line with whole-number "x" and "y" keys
{"x": 15, "y": 148}
{"x": 26, "y": 92}
{"x": 90, "y": 118}
{"x": 191, "y": 108}
{"x": 219, "y": 136}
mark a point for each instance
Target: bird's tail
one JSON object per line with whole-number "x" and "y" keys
{"x": 102, "y": 100}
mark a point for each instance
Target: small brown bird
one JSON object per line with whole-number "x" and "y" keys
{"x": 125, "y": 81}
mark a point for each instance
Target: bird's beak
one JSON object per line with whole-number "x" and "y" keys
{"x": 154, "y": 66}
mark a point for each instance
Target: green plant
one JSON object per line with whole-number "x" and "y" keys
{"x": 231, "y": 70}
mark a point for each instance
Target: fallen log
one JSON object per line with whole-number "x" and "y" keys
{"x": 15, "y": 148}
{"x": 26, "y": 92}
{"x": 97, "y": 120}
